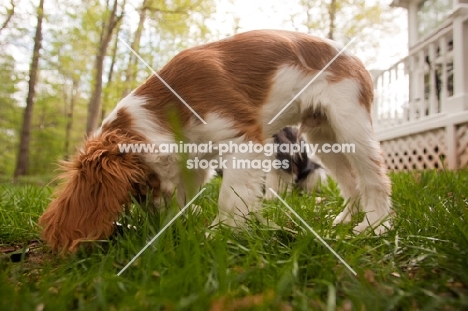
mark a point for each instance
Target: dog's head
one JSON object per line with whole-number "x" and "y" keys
{"x": 98, "y": 183}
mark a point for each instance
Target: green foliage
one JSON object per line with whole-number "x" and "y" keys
{"x": 432, "y": 13}
{"x": 71, "y": 38}
{"x": 47, "y": 139}
{"x": 9, "y": 113}
{"x": 420, "y": 264}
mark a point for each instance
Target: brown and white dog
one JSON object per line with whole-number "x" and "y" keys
{"x": 237, "y": 85}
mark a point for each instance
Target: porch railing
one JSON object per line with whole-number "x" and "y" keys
{"x": 417, "y": 87}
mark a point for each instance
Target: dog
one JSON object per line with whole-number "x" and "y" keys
{"x": 225, "y": 91}
{"x": 303, "y": 171}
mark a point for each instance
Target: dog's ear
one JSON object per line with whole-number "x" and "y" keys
{"x": 98, "y": 183}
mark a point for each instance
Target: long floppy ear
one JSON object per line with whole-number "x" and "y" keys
{"x": 97, "y": 185}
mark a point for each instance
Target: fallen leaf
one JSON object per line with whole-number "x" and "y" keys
{"x": 395, "y": 274}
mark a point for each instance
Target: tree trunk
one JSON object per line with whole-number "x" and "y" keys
{"x": 71, "y": 110}
{"x": 332, "y": 16}
{"x": 94, "y": 105}
{"x": 130, "y": 73}
{"x": 23, "y": 155}
{"x": 309, "y": 17}
{"x": 111, "y": 72}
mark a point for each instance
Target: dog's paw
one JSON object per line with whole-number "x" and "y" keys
{"x": 378, "y": 228}
{"x": 319, "y": 200}
{"x": 343, "y": 218}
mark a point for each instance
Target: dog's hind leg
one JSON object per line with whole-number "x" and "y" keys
{"x": 339, "y": 168}
{"x": 350, "y": 120}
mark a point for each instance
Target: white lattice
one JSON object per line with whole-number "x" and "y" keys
{"x": 462, "y": 145}
{"x": 419, "y": 151}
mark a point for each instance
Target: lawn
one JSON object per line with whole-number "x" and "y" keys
{"x": 421, "y": 264}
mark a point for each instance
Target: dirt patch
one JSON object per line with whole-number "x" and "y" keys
{"x": 31, "y": 255}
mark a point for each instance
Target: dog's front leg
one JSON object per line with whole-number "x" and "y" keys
{"x": 241, "y": 189}
{"x": 190, "y": 182}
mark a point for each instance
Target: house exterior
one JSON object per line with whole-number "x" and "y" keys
{"x": 421, "y": 107}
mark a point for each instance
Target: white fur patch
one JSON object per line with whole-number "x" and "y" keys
{"x": 287, "y": 83}
{"x": 217, "y": 129}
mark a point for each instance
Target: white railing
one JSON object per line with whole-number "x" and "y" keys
{"x": 420, "y": 113}
{"x": 418, "y": 86}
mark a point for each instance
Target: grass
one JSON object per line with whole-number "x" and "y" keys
{"x": 421, "y": 264}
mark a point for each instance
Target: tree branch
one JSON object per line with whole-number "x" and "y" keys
{"x": 10, "y": 14}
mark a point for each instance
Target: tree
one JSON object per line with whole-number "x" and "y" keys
{"x": 130, "y": 72}
{"x": 332, "y": 7}
{"x": 343, "y": 20}
{"x": 64, "y": 77}
{"x": 72, "y": 64}
{"x": 110, "y": 24}
{"x": 9, "y": 114}
{"x": 171, "y": 17}
{"x": 110, "y": 74}
{"x": 9, "y": 15}
{"x": 23, "y": 155}
{"x": 47, "y": 130}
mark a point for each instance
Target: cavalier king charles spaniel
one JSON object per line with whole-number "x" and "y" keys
{"x": 220, "y": 92}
